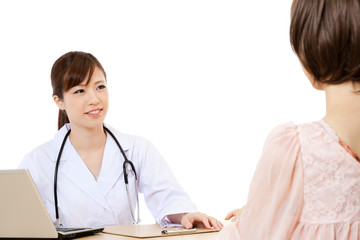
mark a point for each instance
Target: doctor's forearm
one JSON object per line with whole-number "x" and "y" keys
{"x": 176, "y": 218}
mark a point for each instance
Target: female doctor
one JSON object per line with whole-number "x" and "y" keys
{"x": 81, "y": 173}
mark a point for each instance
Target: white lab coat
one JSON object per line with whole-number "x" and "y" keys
{"x": 83, "y": 201}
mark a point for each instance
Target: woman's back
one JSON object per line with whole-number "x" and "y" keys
{"x": 331, "y": 208}
{"x": 306, "y": 186}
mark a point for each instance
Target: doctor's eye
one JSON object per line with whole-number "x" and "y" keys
{"x": 101, "y": 87}
{"x": 79, "y": 91}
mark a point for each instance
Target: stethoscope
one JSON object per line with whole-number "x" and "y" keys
{"x": 126, "y": 162}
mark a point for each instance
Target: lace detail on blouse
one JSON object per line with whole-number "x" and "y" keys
{"x": 331, "y": 177}
{"x": 306, "y": 186}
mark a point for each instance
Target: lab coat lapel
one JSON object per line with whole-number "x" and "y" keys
{"x": 73, "y": 167}
{"x": 112, "y": 166}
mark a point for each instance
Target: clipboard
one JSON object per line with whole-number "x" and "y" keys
{"x": 151, "y": 230}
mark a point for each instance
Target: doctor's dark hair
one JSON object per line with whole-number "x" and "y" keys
{"x": 70, "y": 70}
{"x": 325, "y": 35}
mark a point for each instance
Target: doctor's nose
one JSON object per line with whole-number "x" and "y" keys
{"x": 93, "y": 99}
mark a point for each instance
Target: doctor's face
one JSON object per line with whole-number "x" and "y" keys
{"x": 86, "y": 105}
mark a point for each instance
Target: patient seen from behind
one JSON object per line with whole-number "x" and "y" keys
{"x": 307, "y": 182}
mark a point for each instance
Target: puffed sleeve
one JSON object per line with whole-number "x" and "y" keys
{"x": 276, "y": 192}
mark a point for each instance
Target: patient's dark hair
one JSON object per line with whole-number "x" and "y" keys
{"x": 325, "y": 35}
{"x": 69, "y": 71}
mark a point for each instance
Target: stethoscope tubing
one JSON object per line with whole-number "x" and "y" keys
{"x": 126, "y": 161}
{"x": 126, "y": 180}
{"x": 56, "y": 176}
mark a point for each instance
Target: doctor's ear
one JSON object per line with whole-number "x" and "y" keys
{"x": 59, "y": 102}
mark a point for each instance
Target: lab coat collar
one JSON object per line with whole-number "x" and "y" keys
{"x": 59, "y": 137}
{"x": 57, "y": 141}
{"x": 120, "y": 137}
{"x": 113, "y": 160}
{"x": 76, "y": 171}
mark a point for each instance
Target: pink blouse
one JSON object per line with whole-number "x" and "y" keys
{"x": 306, "y": 186}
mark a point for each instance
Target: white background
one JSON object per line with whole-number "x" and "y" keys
{"x": 205, "y": 81}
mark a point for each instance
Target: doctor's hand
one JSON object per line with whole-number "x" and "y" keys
{"x": 198, "y": 219}
{"x": 234, "y": 214}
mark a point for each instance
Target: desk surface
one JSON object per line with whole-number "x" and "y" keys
{"x": 143, "y": 231}
{"x": 198, "y": 236}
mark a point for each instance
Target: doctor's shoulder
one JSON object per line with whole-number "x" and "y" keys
{"x": 132, "y": 142}
{"x": 44, "y": 155}
{"x": 38, "y": 162}
{"x": 137, "y": 148}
